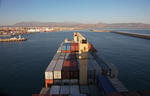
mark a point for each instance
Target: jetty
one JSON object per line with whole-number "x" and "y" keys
{"x": 144, "y": 36}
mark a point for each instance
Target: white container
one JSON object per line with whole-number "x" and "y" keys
{"x": 57, "y": 74}
{"x": 55, "y": 89}
{"x": 58, "y": 68}
{"x": 65, "y": 89}
{"x": 49, "y": 75}
{"x": 59, "y": 49}
{"x": 49, "y": 70}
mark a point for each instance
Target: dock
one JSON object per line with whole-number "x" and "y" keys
{"x": 77, "y": 70}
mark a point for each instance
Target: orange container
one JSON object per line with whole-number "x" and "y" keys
{"x": 47, "y": 82}
{"x": 66, "y": 51}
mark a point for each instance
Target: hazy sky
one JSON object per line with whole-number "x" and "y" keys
{"x": 85, "y": 11}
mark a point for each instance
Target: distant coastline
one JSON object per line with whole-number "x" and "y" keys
{"x": 80, "y": 25}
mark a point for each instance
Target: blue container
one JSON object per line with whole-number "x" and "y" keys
{"x": 105, "y": 85}
{"x": 68, "y": 44}
{"x": 64, "y": 47}
{"x": 68, "y": 48}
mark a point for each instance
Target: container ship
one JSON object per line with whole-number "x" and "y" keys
{"x": 77, "y": 70}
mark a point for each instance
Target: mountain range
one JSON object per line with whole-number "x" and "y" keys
{"x": 82, "y": 25}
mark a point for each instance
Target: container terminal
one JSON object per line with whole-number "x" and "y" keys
{"x": 77, "y": 70}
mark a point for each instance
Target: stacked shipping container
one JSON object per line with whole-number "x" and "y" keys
{"x": 70, "y": 47}
{"x": 70, "y": 67}
{"x": 67, "y": 90}
{"x": 63, "y": 65}
{"x": 62, "y": 74}
{"x": 49, "y": 73}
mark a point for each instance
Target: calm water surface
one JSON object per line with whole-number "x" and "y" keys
{"x": 22, "y": 64}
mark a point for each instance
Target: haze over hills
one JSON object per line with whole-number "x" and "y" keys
{"x": 83, "y": 25}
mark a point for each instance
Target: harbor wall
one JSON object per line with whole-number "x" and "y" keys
{"x": 133, "y": 34}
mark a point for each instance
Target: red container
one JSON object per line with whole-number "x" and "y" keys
{"x": 67, "y": 63}
{"x": 74, "y": 64}
{"x": 74, "y": 47}
{"x": 65, "y": 74}
{"x": 66, "y": 69}
{"x": 74, "y": 73}
{"x": 77, "y": 47}
{"x": 70, "y": 69}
